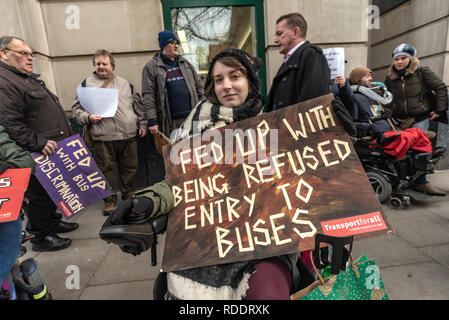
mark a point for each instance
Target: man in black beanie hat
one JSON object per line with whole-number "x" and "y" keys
{"x": 170, "y": 86}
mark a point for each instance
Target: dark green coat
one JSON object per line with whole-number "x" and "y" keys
{"x": 407, "y": 92}
{"x": 11, "y": 153}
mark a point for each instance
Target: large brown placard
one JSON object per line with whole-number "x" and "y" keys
{"x": 266, "y": 186}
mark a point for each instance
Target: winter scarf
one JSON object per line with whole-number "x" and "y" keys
{"x": 224, "y": 281}
{"x": 218, "y": 282}
{"x": 395, "y": 74}
{"x": 207, "y": 115}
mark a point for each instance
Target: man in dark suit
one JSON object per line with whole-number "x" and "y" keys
{"x": 305, "y": 73}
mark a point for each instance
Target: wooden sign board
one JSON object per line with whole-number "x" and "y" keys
{"x": 265, "y": 186}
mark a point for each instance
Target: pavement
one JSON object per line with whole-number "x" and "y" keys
{"x": 413, "y": 262}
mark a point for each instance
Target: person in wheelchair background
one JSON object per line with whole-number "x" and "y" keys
{"x": 367, "y": 112}
{"x": 372, "y": 119}
{"x": 233, "y": 94}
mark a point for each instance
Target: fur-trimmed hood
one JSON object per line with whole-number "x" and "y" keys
{"x": 409, "y": 99}
{"x": 413, "y": 66}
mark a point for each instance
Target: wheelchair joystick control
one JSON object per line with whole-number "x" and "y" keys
{"x": 137, "y": 230}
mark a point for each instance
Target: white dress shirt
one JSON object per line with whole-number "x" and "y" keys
{"x": 292, "y": 51}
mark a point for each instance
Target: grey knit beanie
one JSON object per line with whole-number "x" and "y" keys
{"x": 404, "y": 49}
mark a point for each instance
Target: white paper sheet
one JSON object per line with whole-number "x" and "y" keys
{"x": 100, "y": 101}
{"x": 336, "y": 60}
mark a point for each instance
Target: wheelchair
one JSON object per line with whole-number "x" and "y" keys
{"x": 139, "y": 236}
{"x": 392, "y": 178}
{"x": 25, "y": 281}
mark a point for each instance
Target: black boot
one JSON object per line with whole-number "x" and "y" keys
{"x": 50, "y": 243}
{"x": 67, "y": 227}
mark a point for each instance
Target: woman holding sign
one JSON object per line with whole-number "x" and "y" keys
{"x": 233, "y": 94}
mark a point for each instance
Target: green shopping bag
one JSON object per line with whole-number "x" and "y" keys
{"x": 360, "y": 281}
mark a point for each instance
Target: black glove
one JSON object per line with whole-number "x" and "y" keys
{"x": 382, "y": 140}
{"x": 387, "y": 114}
{"x": 4, "y": 166}
{"x": 141, "y": 210}
{"x": 344, "y": 116}
{"x": 131, "y": 211}
{"x": 363, "y": 129}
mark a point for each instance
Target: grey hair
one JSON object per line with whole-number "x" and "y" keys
{"x": 6, "y": 40}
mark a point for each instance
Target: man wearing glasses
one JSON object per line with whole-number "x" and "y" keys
{"x": 35, "y": 120}
{"x": 171, "y": 88}
{"x": 114, "y": 138}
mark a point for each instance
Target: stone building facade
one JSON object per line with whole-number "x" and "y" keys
{"x": 65, "y": 34}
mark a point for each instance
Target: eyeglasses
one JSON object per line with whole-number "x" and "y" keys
{"x": 22, "y": 53}
{"x": 173, "y": 42}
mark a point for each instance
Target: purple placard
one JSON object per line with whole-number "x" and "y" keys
{"x": 71, "y": 177}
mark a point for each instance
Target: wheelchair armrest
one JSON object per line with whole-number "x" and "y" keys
{"x": 439, "y": 151}
{"x": 132, "y": 239}
{"x": 422, "y": 161}
{"x": 135, "y": 238}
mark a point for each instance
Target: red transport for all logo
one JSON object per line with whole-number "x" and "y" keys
{"x": 64, "y": 209}
{"x": 354, "y": 225}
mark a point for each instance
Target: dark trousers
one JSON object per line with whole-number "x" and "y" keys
{"x": 41, "y": 211}
{"x": 122, "y": 153}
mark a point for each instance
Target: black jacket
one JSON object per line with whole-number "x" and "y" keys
{"x": 30, "y": 113}
{"x": 304, "y": 76}
{"x": 407, "y": 90}
{"x": 345, "y": 94}
{"x": 362, "y": 116}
